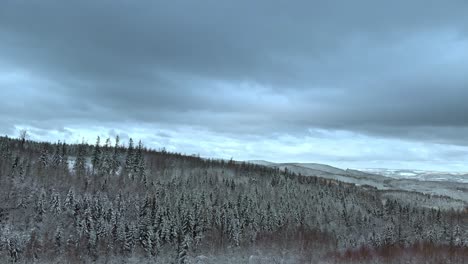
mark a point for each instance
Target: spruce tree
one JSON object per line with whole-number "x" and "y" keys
{"x": 80, "y": 162}
{"x": 130, "y": 159}
{"x": 115, "y": 156}
{"x": 96, "y": 157}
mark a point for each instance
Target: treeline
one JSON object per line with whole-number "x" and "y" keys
{"x": 83, "y": 203}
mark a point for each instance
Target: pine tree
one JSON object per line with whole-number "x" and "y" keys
{"x": 115, "y": 156}
{"x": 23, "y": 136}
{"x": 457, "y": 235}
{"x": 130, "y": 155}
{"x": 92, "y": 242}
{"x": 57, "y": 157}
{"x": 138, "y": 156}
{"x": 23, "y": 170}
{"x": 40, "y": 208}
{"x": 96, "y": 158}
{"x": 58, "y": 239}
{"x": 389, "y": 235}
{"x": 80, "y": 162}
{"x": 121, "y": 237}
{"x": 166, "y": 230}
{"x": 43, "y": 161}
{"x": 235, "y": 232}
{"x": 142, "y": 175}
{"x": 69, "y": 200}
{"x": 64, "y": 151}
{"x": 55, "y": 204}
{"x": 33, "y": 246}
{"x": 106, "y": 166}
{"x": 129, "y": 241}
{"x": 147, "y": 241}
{"x": 13, "y": 249}
{"x": 183, "y": 249}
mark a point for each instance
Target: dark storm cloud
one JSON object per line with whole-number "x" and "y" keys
{"x": 393, "y": 69}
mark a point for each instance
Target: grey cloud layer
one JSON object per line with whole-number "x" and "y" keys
{"x": 389, "y": 69}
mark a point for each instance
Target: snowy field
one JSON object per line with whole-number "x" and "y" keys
{"x": 420, "y": 175}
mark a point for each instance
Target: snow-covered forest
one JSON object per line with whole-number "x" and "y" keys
{"x": 110, "y": 203}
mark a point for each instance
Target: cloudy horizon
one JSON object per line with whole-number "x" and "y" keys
{"x": 354, "y": 84}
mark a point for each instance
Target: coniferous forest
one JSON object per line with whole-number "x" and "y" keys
{"x": 111, "y": 202}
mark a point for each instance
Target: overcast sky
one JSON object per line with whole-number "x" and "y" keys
{"x": 348, "y": 83}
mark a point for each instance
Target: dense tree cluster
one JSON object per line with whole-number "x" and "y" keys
{"x": 88, "y": 202}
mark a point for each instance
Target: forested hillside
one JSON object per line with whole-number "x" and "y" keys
{"x": 109, "y": 203}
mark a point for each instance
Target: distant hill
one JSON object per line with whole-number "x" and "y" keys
{"x": 445, "y": 184}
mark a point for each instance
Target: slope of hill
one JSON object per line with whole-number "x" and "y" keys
{"x": 321, "y": 167}
{"x": 124, "y": 205}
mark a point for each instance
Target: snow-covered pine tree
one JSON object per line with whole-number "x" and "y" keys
{"x": 96, "y": 156}
{"x": 79, "y": 166}
{"x": 57, "y": 157}
{"x": 13, "y": 248}
{"x": 115, "y": 156}
{"x": 129, "y": 240}
{"x": 130, "y": 159}
{"x": 55, "y": 204}
{"x": 69, "y": 203}
{"x": 40, "y": 207}
{"x": 58, "y": 239}
{"x": 183, "y": 249}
